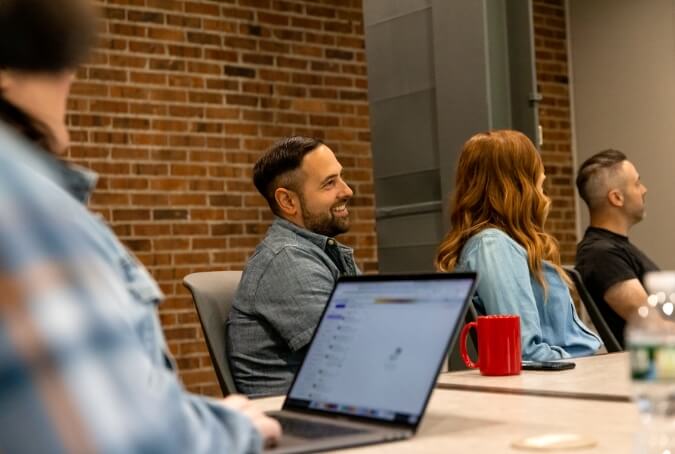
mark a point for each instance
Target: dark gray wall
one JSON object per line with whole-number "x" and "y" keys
{"x": 438, "y": 72}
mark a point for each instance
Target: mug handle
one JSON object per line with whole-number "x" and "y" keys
{"x": 462, "y": 346}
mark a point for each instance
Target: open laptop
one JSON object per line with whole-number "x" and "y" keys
{"x": 373, "y": 361}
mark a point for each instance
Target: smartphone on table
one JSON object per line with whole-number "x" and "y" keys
{"x": 548, "y": 365}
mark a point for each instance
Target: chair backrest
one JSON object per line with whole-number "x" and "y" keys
{"x": 455, "y": 361}
{"x": 611, "y": 344}
{"x": 213, "y": 295}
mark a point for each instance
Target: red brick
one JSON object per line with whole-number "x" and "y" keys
{"x": 131, "y": 215}
{"x": 272, "y": 46}
{"x": 163, "y": 64}
{"x": 190, "y": 229}
{"x": 107, "y": 74}
{"x": 89, "y": 89}
{"x": 149, "y": 199}
{"x": 102, "y": 198}
{"x": 170, "y": 5}
{"x": 146, "y": 16}
{"x": 202, "y": 8}
{"x": 188, "y": 170}
{"x": 234, "y": 13}
{"x": 207, "y": 214}
{"x": 185, "y": 51}
{"x": 273, "y": 19}
{"x": 170, "y": 244}
{"x": 169, "y": 184}
{"x": 147, "y": 78}
{"x": 178, "y": 80}
{"x": 227, "y": 229}
{"x": 209, "y": 243}
{"x": 191, "y": 258}
{"x": 219, "y": 25}
{"x": 127, "y": 183}
{"x": 320, "y": 11}
{"x": 187, "y": 199}
{"x": 305, "y": 23}
{"x": 152, "y": 230}
{"x": 154, "y": 48}
{"x": 126, "y": 29}
{"x": 258, "y": 59}
{"x": 258, "y": 116}
{"x": 138, "y": 245}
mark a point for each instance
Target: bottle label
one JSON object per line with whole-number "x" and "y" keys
{"x": 652, "y": 362}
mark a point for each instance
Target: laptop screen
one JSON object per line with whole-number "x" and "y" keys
{"x": 379, "y": 346}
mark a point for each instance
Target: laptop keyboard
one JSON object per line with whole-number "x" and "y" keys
{"x": 303, "y": 428}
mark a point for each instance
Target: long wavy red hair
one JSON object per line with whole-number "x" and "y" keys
{"x": 496, "y": 187}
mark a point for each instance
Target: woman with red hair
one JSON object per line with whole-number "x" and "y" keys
{"x": 497, "y": 216}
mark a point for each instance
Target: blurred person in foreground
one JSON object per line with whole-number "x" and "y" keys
{"x": 83, "y": 360}
{"x": 497, "y": 216}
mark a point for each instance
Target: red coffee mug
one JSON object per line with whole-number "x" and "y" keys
{"x": 498, "y": 345}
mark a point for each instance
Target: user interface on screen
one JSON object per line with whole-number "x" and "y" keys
{"x": 377, "y": 350}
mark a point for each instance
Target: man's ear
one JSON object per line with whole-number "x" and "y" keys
{"x": 615, "y": 198}
{"x": 287, "y": 201}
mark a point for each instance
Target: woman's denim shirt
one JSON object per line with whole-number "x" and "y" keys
{"x": 549, "y": 326}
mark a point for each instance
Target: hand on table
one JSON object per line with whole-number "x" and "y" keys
{"x": 268, "y": 427}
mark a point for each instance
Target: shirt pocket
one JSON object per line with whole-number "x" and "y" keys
{"x": 140, "y": 284}
{"x": 142, "y": 314}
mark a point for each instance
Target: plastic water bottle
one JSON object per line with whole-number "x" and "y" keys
{"x": 650, "y": 337}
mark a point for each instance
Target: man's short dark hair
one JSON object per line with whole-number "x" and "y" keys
{"x": 588, "y": 183}
{"x": 277, "y": 167}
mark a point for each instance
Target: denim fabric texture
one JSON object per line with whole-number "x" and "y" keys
{"x": 283, "y": 291}
{"x": 550, "y": 327}
{"x": 84, "y": 362}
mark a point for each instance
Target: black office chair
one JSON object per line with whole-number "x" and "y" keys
{"x": 455, "y": 361}
{"x": 598, "y": 320}
{"x": 213, "y": 295}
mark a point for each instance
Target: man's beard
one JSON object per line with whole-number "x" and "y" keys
{"x": 325, "y": 223}
{"x": 638, "y": 217}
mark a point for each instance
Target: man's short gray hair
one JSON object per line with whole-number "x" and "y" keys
{"x": 595, "y": 174}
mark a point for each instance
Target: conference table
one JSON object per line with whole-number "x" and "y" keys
{"x": 482, "y": 420}
{"x": 601, "y": 377}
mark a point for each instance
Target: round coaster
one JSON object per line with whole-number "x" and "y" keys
{"x": 555, "y": 442}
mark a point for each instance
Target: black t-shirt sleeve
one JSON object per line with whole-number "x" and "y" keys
{"x": 609, "y": 266}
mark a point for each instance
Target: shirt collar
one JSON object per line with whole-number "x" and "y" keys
{"x": 74, "y": 179}
{"x": 606, "y": 232}
{"x": 78, "y": 181}
{"x": 316, "y": 238}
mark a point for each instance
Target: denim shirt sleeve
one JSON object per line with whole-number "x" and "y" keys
{"x": 504, "y": 287}
{"x": 293, "y": 293}
{"x": 77, "y": 376}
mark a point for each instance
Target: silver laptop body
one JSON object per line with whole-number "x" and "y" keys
{"x": 373, "y": 361}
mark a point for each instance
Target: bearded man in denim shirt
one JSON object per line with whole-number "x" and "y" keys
{"x": 288, "y": 279}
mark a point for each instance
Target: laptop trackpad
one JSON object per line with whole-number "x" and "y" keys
{"x": 312, "y": 429}
{"x": 304, "y": 433}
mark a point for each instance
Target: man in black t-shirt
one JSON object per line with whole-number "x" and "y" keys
{"x": 611, "y": 267}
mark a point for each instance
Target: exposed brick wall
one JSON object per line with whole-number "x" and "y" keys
{"x": 554, "y": 116}
{"x": 182, "y": 96}
{"x": 180, "y": 99}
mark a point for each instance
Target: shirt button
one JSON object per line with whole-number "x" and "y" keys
{"x": 331, "y": 242}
